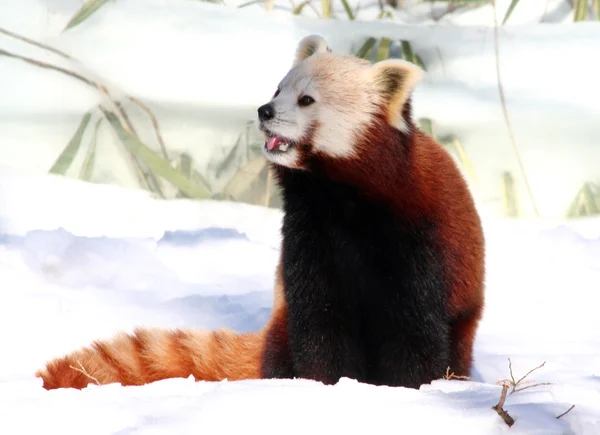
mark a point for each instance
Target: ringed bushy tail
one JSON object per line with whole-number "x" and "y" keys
{"x": 149, "y": 355}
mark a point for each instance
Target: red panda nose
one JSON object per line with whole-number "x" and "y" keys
{"x": 266, "y": 112}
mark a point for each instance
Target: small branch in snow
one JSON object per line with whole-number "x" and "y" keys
{"x": 505, "y": 112}
{"x": 449, "y": 376}
{"x": 566, "y": 412}
{"x": 499, "y": 407}
{"x": 515, "y": 384}
{"x": 84, "y": 372}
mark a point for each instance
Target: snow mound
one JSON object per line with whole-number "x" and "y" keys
{"x": 170, "y": 264}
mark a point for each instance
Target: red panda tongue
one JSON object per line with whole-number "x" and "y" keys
{"x": 273, "y": 142}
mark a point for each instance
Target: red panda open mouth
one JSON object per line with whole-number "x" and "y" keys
{"x": 275, "y": 144}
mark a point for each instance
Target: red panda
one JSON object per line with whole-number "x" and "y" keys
{"x": 381, "y": 274}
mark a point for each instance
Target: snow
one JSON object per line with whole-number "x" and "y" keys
{"x": 80, "y": 261}
{"x": 71, "y": 273}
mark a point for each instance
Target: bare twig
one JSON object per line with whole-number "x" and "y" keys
{"x": 566, "y": 412}
{"x": 499, "y": 407}
{"x": 32, "y": 42}
{"x": 449, "y": 376}
{"x": 505, "y": 112}
{"x": 530, "y": 386}
{"x": 84, "y": 372}
{"x": 515, "y": 384}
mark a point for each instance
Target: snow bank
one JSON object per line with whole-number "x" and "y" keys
{"x": 106, "y": 259}
{"x": 205, "y": 81}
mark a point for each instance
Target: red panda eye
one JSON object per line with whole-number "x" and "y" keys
{"x": 306, "y": 101}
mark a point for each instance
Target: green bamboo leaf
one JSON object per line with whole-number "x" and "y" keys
{"x": 408, "y": 52}
{"x": 185, "y": 166}
{"x": 348, "y": 9}
{"x": 200, "y": 180}
{"x": 87, "y": 9}
{"x": 364, "y": 51}
{"x": 419, "y": 62}
{"x": 157, "y": 164}
{"x": 230, "y": 159}
{"x": 384, "y": 49}
{"x": 509, "y": 11}
{"x": 590, "y": 197}
{"x": 580, "y": 10}
{"x": 87, "y": 168}
{"x": 298, "y": 9}
{"x": 252, "y": 2}
{"x": 63, "y": 162}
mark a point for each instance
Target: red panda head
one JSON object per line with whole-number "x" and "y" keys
{"x": 327, "y": 102}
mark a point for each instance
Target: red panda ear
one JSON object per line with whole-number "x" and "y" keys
{"x": 395, "y": 79}
{"x": 310, "y": 45}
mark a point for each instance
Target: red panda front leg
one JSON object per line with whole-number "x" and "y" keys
{"x": 323, "y": 350}
{"x": 276, "y": 360}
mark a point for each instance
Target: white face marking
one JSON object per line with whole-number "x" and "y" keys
{"x": 289, "y": 159}
{"x": 291, "y": 120}
{"x": 344, "y": 105}
{"x": 348, "y": 93}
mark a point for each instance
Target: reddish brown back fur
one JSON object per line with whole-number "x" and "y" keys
{"x": 417, "y": 182}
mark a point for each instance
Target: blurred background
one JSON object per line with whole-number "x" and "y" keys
{"x": 161, "y": 95}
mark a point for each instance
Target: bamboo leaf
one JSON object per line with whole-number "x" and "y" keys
{"x": 200, "y": 180}
{"x": 580, "y": 10}
{"x": 591, "y": 203}
{"x": 407, "y": 52}
{"x": 157, "y": 164}
{"x": 87, "y": 168}
{"x": 87, "y": 9}
{"x": 230, "y": 159}
{"x": 509, "y": 11}
{"x": 250, "y": 3}
{"x": 384, "y": 49}
{"x": 364, "y": 51}
{"x": 419, "y": 62}
{"x": 185, "y": 166}
{"x": 64, "y": 161}
{"x": 298, "y": 9}
{"x": 326, "y": 9}
{"x": 348, "y": 9}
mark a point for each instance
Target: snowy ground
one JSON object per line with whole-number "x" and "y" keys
{"x": 81, "y": 261}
